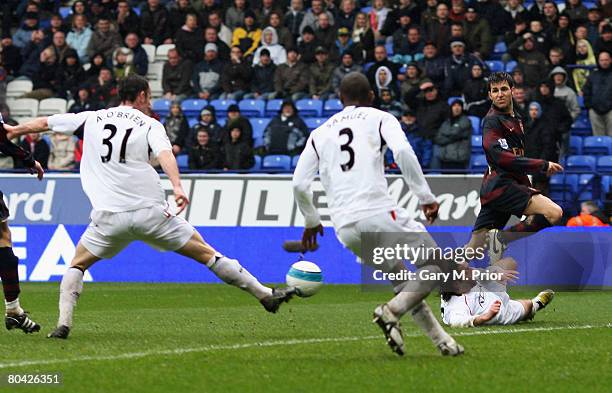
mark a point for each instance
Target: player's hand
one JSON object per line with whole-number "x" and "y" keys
{"x": 509, "y": 276}
{"x": 37, "y": 169}
{"x": 553, "y": 168}
{"x": 309, "y": 237}
{"x": 181, "y": 199}
{"x": 431, "y": 211}
{"x": 492, "y": 311}
{"x": 10, "y": 131}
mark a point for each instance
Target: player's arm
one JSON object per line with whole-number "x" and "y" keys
{"x": 162, "y": 149}
{"x": 65, "y": 123}
{"x": 457, "y": 314}
{"x": 10, "y": 149}
{"x": 404, "y": 156}
{"x": 303, "y": 176}
{"x": 493, "y": 144}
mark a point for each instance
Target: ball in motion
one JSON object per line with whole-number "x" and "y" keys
{"x": 306, "y": 277}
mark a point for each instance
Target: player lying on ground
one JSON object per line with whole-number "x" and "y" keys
{"x": 506, "y": 189}
{"x": 488, "y": 303}
{"x": 15, "y": 317}
{"x": 128, "y": 201}
{"x": 347, "y": 151}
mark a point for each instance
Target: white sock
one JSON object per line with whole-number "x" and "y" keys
{"x": 13, "y": 308}
{"x": 70, "y": 290}
{"x": 425, "y": 319}
{"x": 231, "y": 272}
{"x": 412, "y": 293}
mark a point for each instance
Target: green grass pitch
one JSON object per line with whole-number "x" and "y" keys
{"x": 214, "y": 338}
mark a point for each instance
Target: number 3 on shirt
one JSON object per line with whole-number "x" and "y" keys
{"x": 107, "y": 142}
{"x": 347, "y": 148}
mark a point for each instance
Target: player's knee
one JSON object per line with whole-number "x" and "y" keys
{"x": 7, "y": 257}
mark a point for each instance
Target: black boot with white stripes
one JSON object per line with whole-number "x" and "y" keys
{"x": 21, "y": 322}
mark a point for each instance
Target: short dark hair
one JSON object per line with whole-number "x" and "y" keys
{"x": 499, "y": 77}
{"x": 131, "y": 86}
{"x": 355, "y": 87}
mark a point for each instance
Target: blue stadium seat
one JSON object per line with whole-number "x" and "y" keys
{"x": 478, "y": 163}
{"x": 193, "y": 107}
{"x": 331, "y": 107}
{"x": 477, "y": 144}
{"x": 500, "y": 48}
{"x": 495, "y": 65}
{"x": 309, "y": 108}
{"x": 252, "y": 108}
{"x": 221, "y": 107}
{"x": 575, "y": 145}
{"x": 273, "y": 107}
{"x": 606, "y": 185}
{"x": 161, "y": 107}
{"x": 581, "y": 101}
{"x": 314, "y": 122}
{"x": 65, "y": 12}
{"x": 192, "y": 121}
{"x": 597, "y": 145}
{"x": 389, "y": 48}
{"x": 510, "y": 66}
{"x": 367, "y": 66}
{"x": 451, "y": 99}
{"x": 580, "y": 163}
{"x": 294, "y": 161}
{"x": 581, "y": 126}
{"x": 222, "y": 121}
{"x": 585, "y": 187}
{"x": 257, "y": 164}
{"x": 277, "y": 162}
{"x": 259, "y": 126}
{"x": 562, "y": 187}
{"x": 183, "y": 161}
{"x": 604, "y": 165}
{"x": 475, "y": 125}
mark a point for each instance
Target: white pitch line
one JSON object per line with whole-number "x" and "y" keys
{"x": 210, "y": 348}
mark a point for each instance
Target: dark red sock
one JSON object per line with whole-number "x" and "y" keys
{"x": 9, "y": 273}
{"x": 527, "y": 227}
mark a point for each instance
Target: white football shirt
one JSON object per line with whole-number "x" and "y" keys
{"x": 348, "y": 152}
{"x": 115, "y": 170}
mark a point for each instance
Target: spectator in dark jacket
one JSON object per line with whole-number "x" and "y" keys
{"x": 422, "y": 146}
{"x": 597, "y": 92}
{"x": 540, "y": 142}
{"x": 458, "y": 68}
{"x": 189, "y": 39}
{"x": 294, "y": 17}
{"x": 320, "y": 75}
{"x": 212, "y": 37}
{"x": 475, "y": 93}
{"x": 438, "y": 29}
{"x": 499, "y": 20}
{"x": 237, "y": 153}
{"x": 176, "y": 76}
{"x": 408, "y": 45}
{"x": 554, "y": 112}
{"x": 234, "y": 117}
{"x": 346, "y": 66}
{"x": 344, "y": 44}
{"x": 103, "y": 89}
{"x": 381, "y": 60}
{"x": 178, "y": 14}
{"x": 388, "y": 103}
{"x": 208, "y": 122}
{"x": 140, "y": 60}
{"x": 413, "y": 78}
{"x": 306, "y": 45}
{"x": 532, "y": 62}
{"x": 431, "y": 109}
{"x": 206, "y": 77}
{"x": 263, "y": 78}
{"x": 177, "y": 128}
{"x": 236, "y": 77}
{"x": 154, "y": 23}
{"x": 325, "y": 32}
{"x": 72, "y": 74}
{"x": 452, "y": 143}
{"x": 432, "y": 64}
{"x": 291, "y": 78}
{"x": 47, "y": 81}
{"x": 127, "y": 20}
{"x": 477, "y": 34}
{"x": 35, "y": 144}
{"x": 83, "y": 101}
{"x": 104, "y": 40}
{"x": 286, "y": 133}
{"x": 205, "y": 154}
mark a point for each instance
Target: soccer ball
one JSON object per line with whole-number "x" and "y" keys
{"x": 306, "y": 277}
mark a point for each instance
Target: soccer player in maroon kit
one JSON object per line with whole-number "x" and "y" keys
{"x": 15, "y": 317}
{"x": 506, "y": 189}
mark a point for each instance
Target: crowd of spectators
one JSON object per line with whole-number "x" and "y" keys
{"x": 416, "y": 54}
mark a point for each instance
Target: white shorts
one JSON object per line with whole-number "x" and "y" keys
{"x": 510, "y": 312}
{"x": 109, "y": 233}
{"x": 398, "y": 221}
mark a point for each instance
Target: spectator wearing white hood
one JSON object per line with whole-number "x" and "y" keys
{"x": 269, "y": 41}
{"x": 384, "y": 81}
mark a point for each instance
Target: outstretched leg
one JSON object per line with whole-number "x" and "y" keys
{"x": 231, "y": 272}
{"x": 71, "y": 288}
